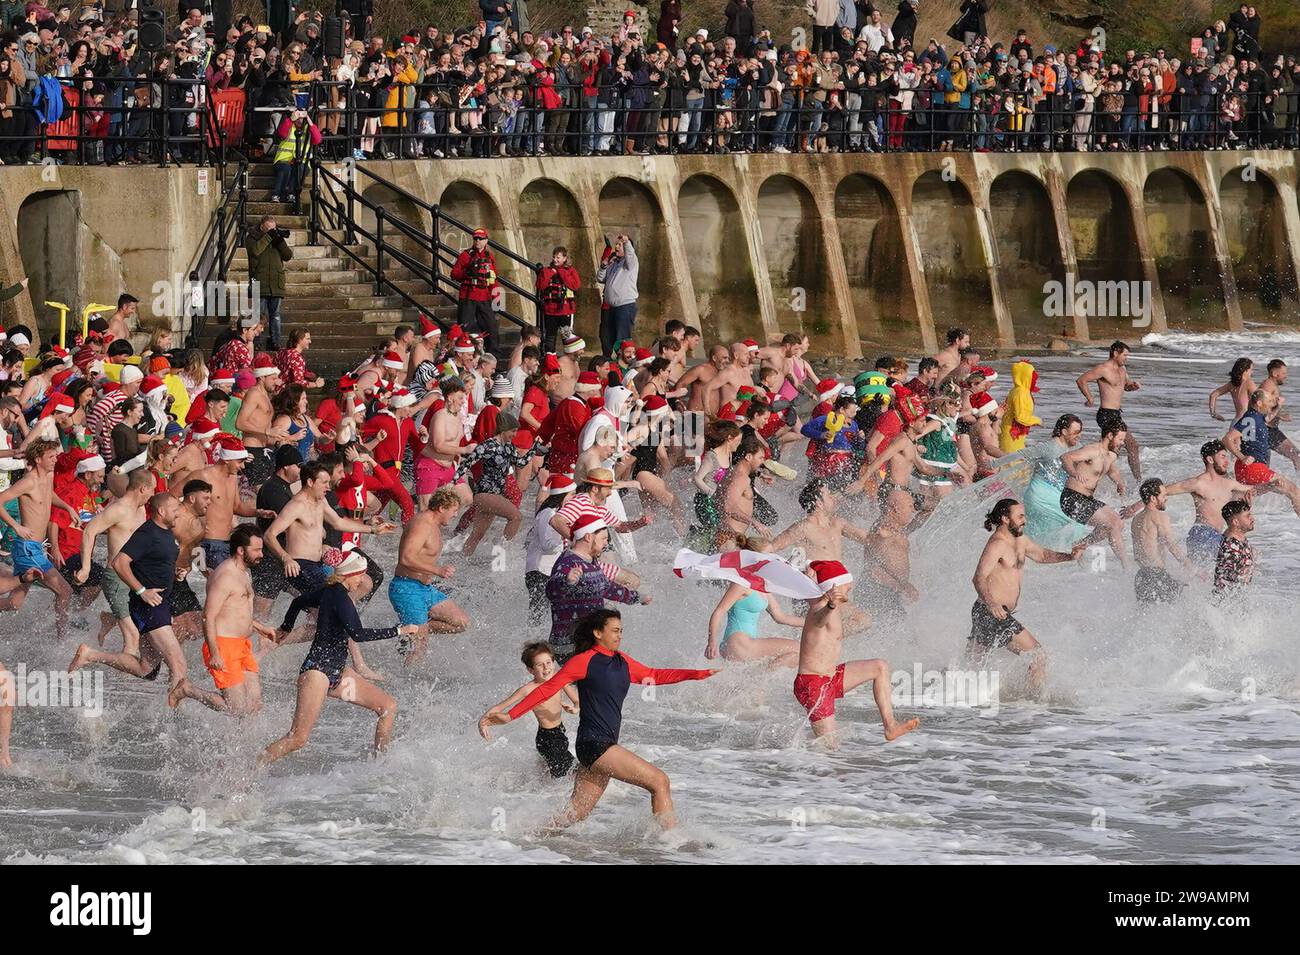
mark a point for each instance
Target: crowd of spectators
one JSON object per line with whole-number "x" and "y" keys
{"x": 853, "y": 80}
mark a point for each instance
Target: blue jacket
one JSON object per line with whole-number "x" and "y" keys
{"x": 47, "y": 100}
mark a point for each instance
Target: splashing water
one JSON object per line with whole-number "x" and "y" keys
{"x": 1164, "y": 736}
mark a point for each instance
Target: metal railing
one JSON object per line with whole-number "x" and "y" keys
{"x": 223, "y": 238}
{"x": 173, "y": 123}
{"x": 336, "y": 205}
{"x": 867, "y": 119}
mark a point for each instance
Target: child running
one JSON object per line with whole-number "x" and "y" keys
{"x": 603, "y": 676}
{"x": 552, "y": 742}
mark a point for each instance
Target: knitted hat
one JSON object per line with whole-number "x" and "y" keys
{"x": 573, "y": 345}
{"x": 130, "y": 374}
{"x": 501, "y": 387}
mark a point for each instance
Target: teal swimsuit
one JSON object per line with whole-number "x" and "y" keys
{"x": 743, "y": 616}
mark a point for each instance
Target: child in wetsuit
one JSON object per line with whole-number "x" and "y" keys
{"x": 552, "y": 742}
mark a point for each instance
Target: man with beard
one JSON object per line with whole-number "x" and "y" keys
{"x": 1210, "y": 490}
{"x": 228, "y": 625}
{"x": 997, "y": 580}
{"x": 1085, "y": 467}
{"x": 1152, "y": 536}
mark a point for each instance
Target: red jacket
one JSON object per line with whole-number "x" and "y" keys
{"x": 557, "y": 287}
{"x": 477, "y": 275}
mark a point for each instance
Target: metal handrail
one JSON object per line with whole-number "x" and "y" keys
{"x": 223, "y": 237}
{"x": 334, "y": 202}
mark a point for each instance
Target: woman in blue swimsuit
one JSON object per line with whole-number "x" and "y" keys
{"x": 733, "y": 628}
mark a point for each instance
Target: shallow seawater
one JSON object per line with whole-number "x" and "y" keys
{"x": 1170, "y": 736}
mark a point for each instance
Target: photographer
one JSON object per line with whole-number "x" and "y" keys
{"x": 268, "y": 250}
{"x": 619, "y": 275}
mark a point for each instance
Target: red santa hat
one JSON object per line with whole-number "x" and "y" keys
{"x": 62, "y": 376}
{"x": 222, "y": 378}
{"x": 750, "y": 344}
{"x": 65, "y": 465}
{"x": 351, "y": 565}
{"x": 89, "y": 462}
{"x": 230, "y": 448}
{"x": 550, "y": 364}
{"x": 989, "y": 374}
{"x": 644, "y": 356}
{"x": 393, "y": 360}
{"x": 152, "y": 384}
{"x": 626, "y": 343}
{"x": 205, "y": 429}
{"x": 656, "y": 406}
{"x": 588, "y": 524}
{"x": 829, "y": 574}
{"x": 401, "y": 399}
{"x": 560, "y": 483}
{"x": 264, "y": 366}
{"x": 910, "y": 409}
{"x": 588, "y": 383}
{"x": 828, "y": 389}
{"x": 62, "y": 354}
{"x": 429, "y": 329}
{"x": 573, "y": 345}
{"x": 59, "y": 403}
{"x": 346, "y": 384}
{"x": 983, "y": 404}
{"x": 464, "y": 345}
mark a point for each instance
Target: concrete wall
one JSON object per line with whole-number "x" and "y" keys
{"x": 856, "y": 251}
{"x": 862, "y": 251}
{"x": 87, "y": 234}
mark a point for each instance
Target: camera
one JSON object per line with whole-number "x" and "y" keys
{"x": 280, "y": 233}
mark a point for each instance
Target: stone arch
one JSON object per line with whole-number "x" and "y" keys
{"x": 550, "y": 216}
{"x": 952, "y": 257}
{"x": 1105, "y": 245}
{"x": 1255, "y": 230}
{"x": 632, "y": 209}
{"x": 474, "y": 208}
{"x": 1182, "y": 243}
{"x": 65, "y": 261}
{"x": 396, "y": 206}
{"x": 791, "y": 229}
{"x": 1029, "y": 252}
{"x": 871, "y": 237}
{"x": 718, "y": 252}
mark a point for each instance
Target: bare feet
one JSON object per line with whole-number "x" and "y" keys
{"x": 79, "y": 658}
{"x": 900, "y": 729}
{"x": 106, "y": 624}
{"x": 5, "y": 761}
{"x": 178, "y": 692}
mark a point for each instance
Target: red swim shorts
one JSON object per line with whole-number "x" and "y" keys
{"x": 1256, "y": 473}
{"x": 817, "y": 693}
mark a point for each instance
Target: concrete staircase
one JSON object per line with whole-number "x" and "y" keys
{"x": 327, "y": 292}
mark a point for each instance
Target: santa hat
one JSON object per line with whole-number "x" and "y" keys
{"x": 829, "y": 574}
{"x": 429, "y": 329}
{"x": 588, "y": 524}
{"x": 989, "y": 374}
{"x": 58, "y": 380}
{"x": 66, "y": 463}
{"x": 62, "y": 354}
{"x": 626, "y": 343}
{"x": 346, "y": 384}
{"x": 230, "y": 448}
{"x": 264, "y": 366}
{"x": 130, "y": 375}
{"x": 983, "y": 404}
{"x": 351, "y": 565}
{"x": 750, "y": 344}
{"x": 222, "y": 378}
{"x": 393, "y": 360}
{"x": 644, "y": 356}
{"x": 204, "y": 429}
{"x": 573, "y": 345}
{"x": 59, "y": 403}
{"x": 910, "y": 409}
{"x": 401, "y": 399}
{"x": 828, "y": 389}
{"x": 550, "y": 364}
{"x": 464, "y": 345}
{"x": 656, "y": 406}
{"x": 560, "y": 483}
{"x": 90, "y": 462}
{"x": 3, "y": 334}
{"x": 588, "y": 383}
{"x": 152, "y": 385}
{"x": 135, "y": 463}
{"x": 455, "y": 332}
{"x": 501, "y": 387}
